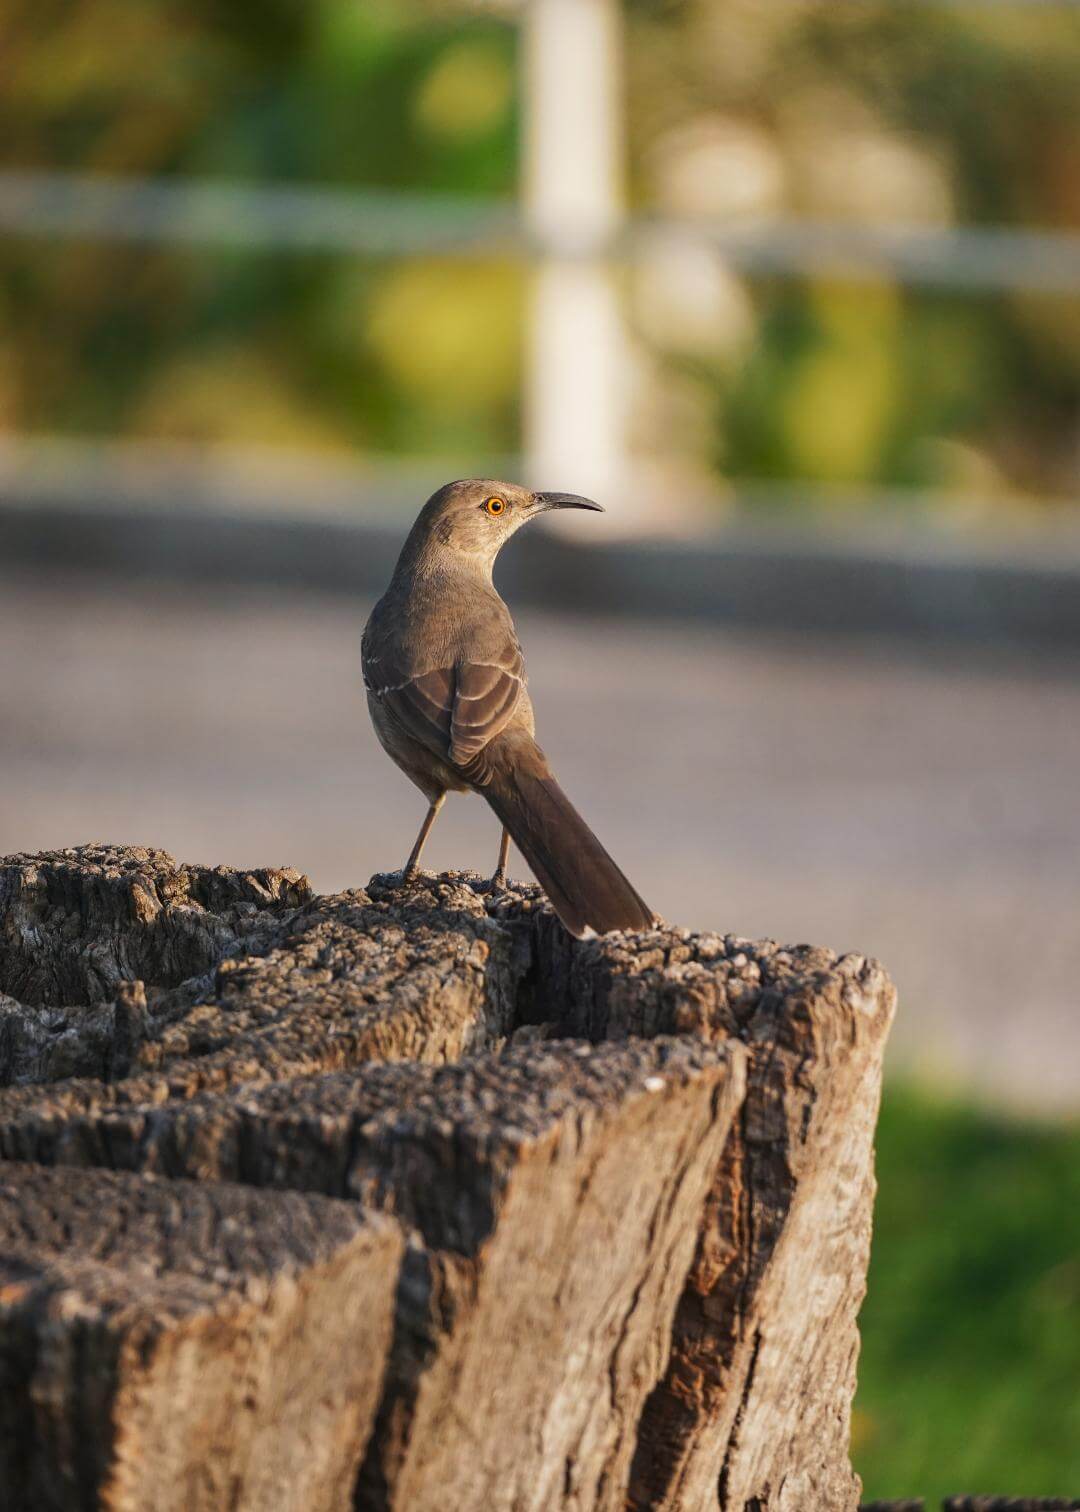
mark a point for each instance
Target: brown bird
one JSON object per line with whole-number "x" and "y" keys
{"x": 445, "y": 683}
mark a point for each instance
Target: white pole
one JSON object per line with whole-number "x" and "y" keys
{"x": 574, "y": 410}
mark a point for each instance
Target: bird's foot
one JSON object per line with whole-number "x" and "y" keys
{"x": 499, "y": 881}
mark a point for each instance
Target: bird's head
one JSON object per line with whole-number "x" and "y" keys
{"x": 474, "y": 517}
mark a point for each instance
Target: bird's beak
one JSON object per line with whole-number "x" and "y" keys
{"x": 546, "y": 501}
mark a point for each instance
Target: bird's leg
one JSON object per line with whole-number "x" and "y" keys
{"x": 498, "y": 881}
{"x": 412, "y": 865}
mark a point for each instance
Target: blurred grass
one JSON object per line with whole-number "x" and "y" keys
{"x": 969, "y": 1376}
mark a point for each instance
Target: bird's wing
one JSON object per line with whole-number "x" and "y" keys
{"x": 454, "y": 711}
{"x": 486, "y": 696}
{"x": 422, "y": 705}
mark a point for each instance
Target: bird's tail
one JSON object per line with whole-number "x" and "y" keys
{"x": 586, "y": 888}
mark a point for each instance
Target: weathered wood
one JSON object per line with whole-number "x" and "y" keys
{"x": 635, "y": 1174}
{"x": 77, "y": 923}
{"x": 765, "y": 1334}
{"x": 183, "y": 1346}
{"x": 247, "y": 976}
{"x": 545, "y": 1299}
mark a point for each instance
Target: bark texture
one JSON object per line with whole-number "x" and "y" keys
{"x": 404, "y": 1199}
{"x": 172, "y": 1345}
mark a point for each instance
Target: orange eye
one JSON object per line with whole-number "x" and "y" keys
{"x": 495, "y": 505}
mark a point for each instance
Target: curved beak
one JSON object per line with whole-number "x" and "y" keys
{"x": 565, "y": 501}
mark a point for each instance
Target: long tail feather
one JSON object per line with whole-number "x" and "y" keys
{"x": 586, "y": 888}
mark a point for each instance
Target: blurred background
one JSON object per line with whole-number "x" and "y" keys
{"x": 794, "y": 290}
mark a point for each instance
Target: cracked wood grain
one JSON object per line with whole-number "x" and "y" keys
{"x": 176, "y": 1345}
{"x": 626, "y": 1184}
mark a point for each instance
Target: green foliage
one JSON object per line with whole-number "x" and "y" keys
{"x": 327, "y": 92}
{"x": 206, "y": 345}
{"x": 869, "y": 384}
{"x": 969, "y": 1376}
{"x": 993, "y": 86}
{"x": 930, "y": 114}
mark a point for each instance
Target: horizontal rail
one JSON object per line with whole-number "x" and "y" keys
{"x": 372, "y": 223}
{"x": 979, "y": 259}
{"x": 289, "y": 218}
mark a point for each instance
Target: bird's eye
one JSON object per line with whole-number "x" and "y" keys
{"x": 495, "y": 505}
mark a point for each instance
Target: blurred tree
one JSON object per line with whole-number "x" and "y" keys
{"x": 917, "y": 113}
{"x": 205, "y": 345}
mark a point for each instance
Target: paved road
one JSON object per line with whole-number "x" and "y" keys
{"x": 924, "y": 809}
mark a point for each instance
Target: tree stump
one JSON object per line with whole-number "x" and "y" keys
{"x": 403, "y": 1199}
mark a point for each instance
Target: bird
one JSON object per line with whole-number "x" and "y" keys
{"x": 446, "y": 689}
